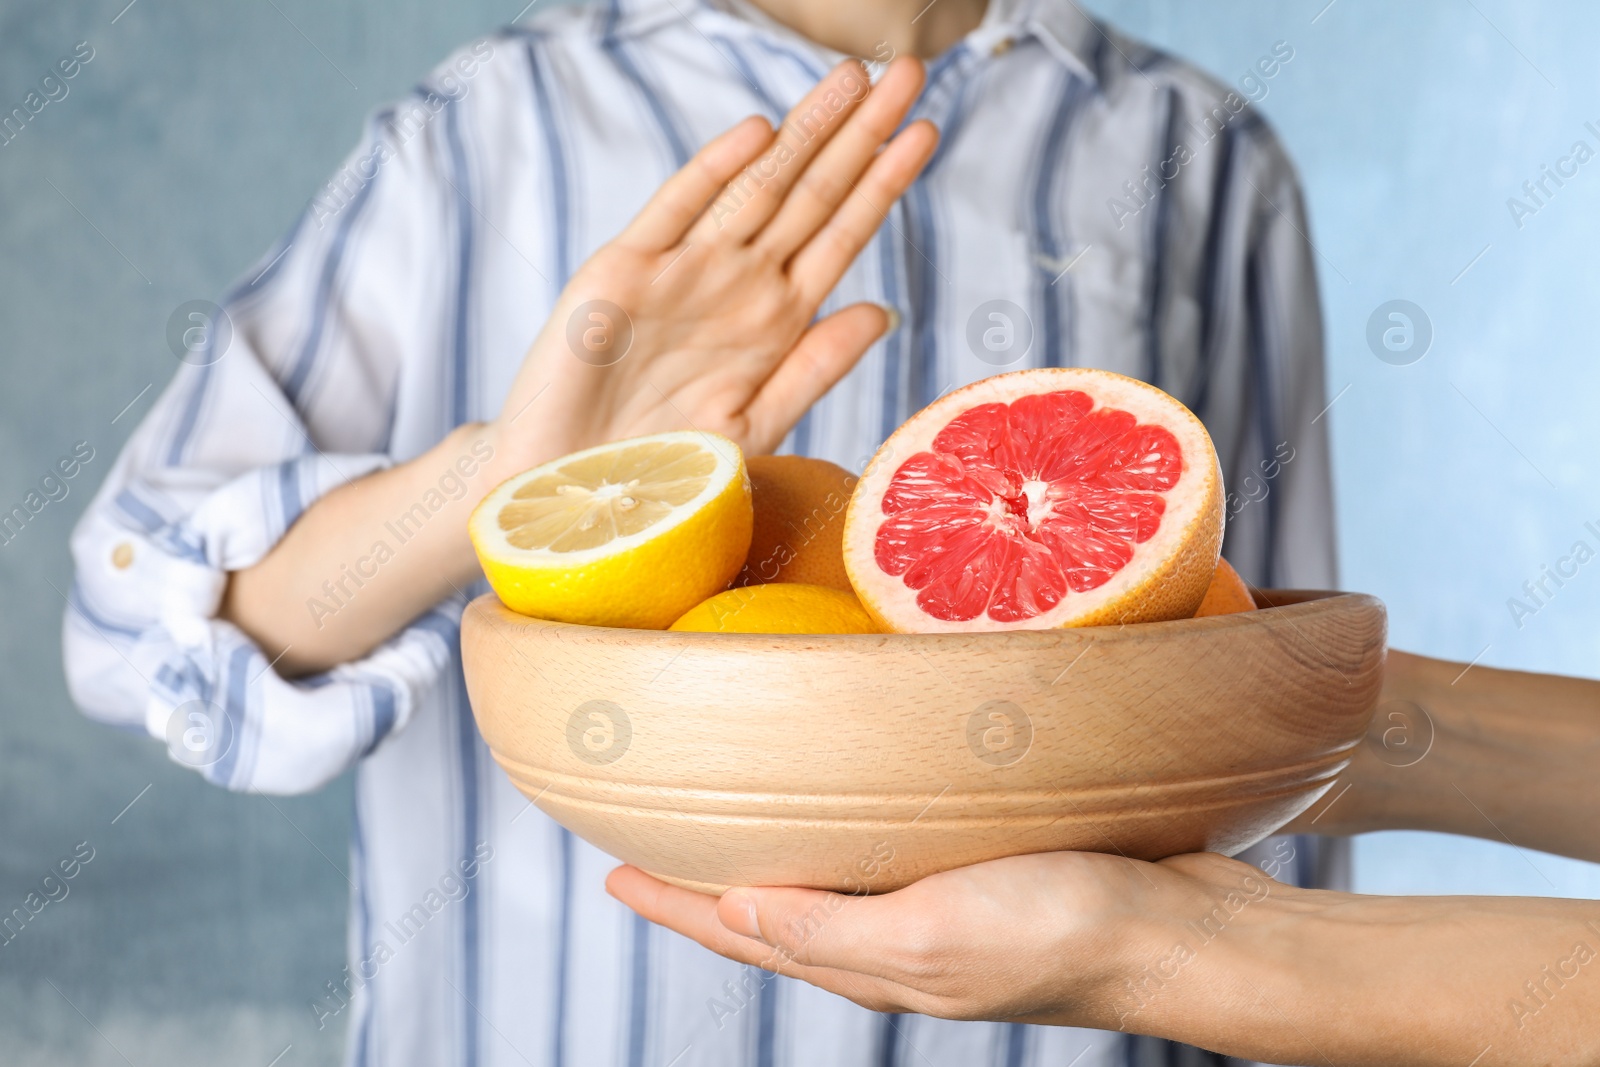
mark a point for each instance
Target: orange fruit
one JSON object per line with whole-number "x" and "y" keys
{"x": 1227, "y": 593}
{"x": 799, "y": 522}
{"x": 1038, "y": 499}
{"x": 779, "y": 608}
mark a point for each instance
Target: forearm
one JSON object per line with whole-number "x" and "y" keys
{"x": 1511, "y": 758}
{"x": 1329, "y": 978}
{"x": 367, "y": 558}
{"x": 729, "y": 342}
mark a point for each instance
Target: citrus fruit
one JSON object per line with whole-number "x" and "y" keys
{"x": 780, "y": 608}
{"x": 1227, "y": 593}
{"x": 1038, "y": 499}
{"x": 799, "y": 522}
{"x": 627, "y": 534}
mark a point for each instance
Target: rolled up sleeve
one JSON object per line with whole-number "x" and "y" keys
{"x": 291, "y": 394}
{"x": 144, "y": 647}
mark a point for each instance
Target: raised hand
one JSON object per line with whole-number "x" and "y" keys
{"x": 699, "y": 314}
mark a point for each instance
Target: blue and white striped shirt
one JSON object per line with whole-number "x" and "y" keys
{"x": 1131, "y": 211}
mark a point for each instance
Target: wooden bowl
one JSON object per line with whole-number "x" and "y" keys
{"x": 861, "y": 763}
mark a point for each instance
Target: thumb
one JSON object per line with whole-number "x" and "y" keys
{"x": 825, "y": 353}
{"x": 810, "y": 927}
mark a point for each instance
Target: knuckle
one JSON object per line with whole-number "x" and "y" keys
{"x": 921, "y": 949}
{"x": 765, "y": 257}
{"x": 880, "y": 1004}
{"x": 834, "y": 244}
{"x": 825, "y": 189}
{"x": 839, "y": 241}
{"x": 938, "y": 1006}
{"x": 909, "y": 1001}
{"x": 706, "y": 163}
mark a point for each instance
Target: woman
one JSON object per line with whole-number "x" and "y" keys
{"x": 1213, "y": 952}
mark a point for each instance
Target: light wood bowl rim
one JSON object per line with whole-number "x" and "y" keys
{"x": 1274, "y": 605}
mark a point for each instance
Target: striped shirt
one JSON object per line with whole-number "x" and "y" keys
{"x": 1093, "y": 202}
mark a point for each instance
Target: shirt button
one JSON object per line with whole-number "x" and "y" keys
{"x": 122, "y": 556}
{"x": 1001, "y": 47}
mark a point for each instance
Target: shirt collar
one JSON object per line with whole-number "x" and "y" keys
{"x": 1060, "y": 25}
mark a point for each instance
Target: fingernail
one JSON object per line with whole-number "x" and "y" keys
{"x": 894, "y": 318}
{"x": 739, "y": 915}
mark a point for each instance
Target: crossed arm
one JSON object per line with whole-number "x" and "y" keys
{"x": 1212, "y": 952}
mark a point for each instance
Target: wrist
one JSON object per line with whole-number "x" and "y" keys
{"x": 1239, "y": 960}
{"x": 452, "y": 476}
{"x": 1202, "y": 959}
{"x": 473, "y": 453}
{"x": 1144, "y": 959}
{"x": 486, "y": 442}
{"x": 515, "y": 449}
{"x": 1396, "y": 772}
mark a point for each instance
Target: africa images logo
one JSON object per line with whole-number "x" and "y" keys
{"x": 599, "y": 732}
{"x": 999, "y": 733}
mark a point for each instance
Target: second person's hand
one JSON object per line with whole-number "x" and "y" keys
{"x": 1047, "y": 937}
{"x": 1196, "y": 948}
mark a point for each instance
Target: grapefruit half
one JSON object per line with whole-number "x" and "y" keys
{"x": 1034, "y": 500}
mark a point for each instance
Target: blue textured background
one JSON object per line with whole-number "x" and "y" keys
{"x": 206, "y": 922}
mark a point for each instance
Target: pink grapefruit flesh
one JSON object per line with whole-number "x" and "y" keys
{"x": 1038, "y": 499}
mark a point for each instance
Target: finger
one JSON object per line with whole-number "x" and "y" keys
{"x": 857, "y": 934}
{"x": 694, "y": 915}
{"x": 824, "y": 354}
{"x": 819, "y": 265}
{"x": 751, "y": 198}
{"x": 662, "y": 222}
{"x": 823, "y": 185}
{"x": 691, "y": 914}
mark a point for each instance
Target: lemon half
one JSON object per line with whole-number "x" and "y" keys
{"x": 631, "y": 534}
